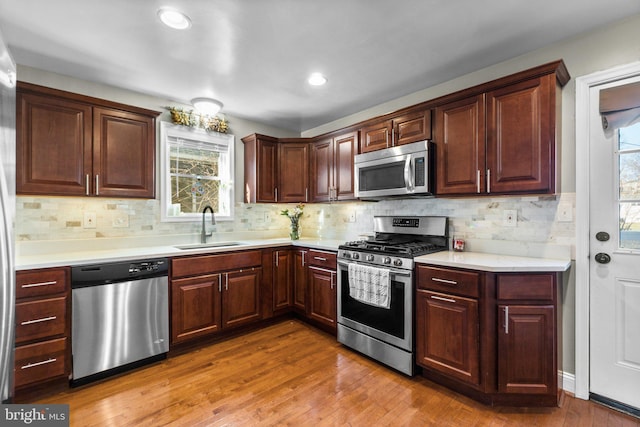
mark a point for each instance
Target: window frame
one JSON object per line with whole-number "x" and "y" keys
{"x": 172, "y": 130}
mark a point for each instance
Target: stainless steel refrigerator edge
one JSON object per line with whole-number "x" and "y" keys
{"x": 7, "y": 217}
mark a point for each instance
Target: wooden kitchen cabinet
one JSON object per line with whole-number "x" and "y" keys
{"x": 275, "y": 170}
{"x": 492, "y": 336}
{"x": 300, "y": 280}
{"x": 448, "y": 328}
{"x": 322, "y": 291}
{"x": 332, "y": 168}
{"x": 43, "y": 328}
{"x": 528, "y": 335}
{"x": 500, "y": 137}
{"x": 73, "y": 145}
{"x": 210, "y": 293}
{"x": 293, "y": 172}
{"x": 399, "y": 130}
{"x": 282, "y": 280}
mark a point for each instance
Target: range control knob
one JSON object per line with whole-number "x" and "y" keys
{"x": 355, "y": 255}
{"x": 346, "y": 254}
{"x": 397, "y": 262}
{"x": 386, "y": 260}
{"x": 370, "y": 257}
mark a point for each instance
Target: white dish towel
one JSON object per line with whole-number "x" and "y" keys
{"x": 370, "y": 285}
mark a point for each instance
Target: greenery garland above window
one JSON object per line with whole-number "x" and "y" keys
{"x": 193, "y": 119}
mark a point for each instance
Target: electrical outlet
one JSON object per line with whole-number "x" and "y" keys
{"x": 89, "y": 220}
{"x": 510, "y": 218}
{"x": 121, "y": 221}
{"x": 351, "y": 217}
{"x": 267, "y": 217}
{"x": 565, "y": 212}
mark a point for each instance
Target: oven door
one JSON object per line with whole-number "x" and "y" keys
{"x": 392, "y": 325}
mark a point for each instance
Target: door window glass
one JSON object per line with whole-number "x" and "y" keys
{"x": 629, "y": 186}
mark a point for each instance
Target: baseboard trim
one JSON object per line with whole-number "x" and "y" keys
{"x": 568, "y": 382}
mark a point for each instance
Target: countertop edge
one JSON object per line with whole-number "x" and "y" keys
{"x": 494, "y": 263}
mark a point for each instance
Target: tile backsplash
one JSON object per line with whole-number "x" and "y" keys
{"x": 540, "y": 230}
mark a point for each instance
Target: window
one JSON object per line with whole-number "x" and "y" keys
{"x": 197, "y": 170}
{"x": 629, "y": 186}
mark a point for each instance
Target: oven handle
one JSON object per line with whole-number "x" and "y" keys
{"x": 392, "y": 271}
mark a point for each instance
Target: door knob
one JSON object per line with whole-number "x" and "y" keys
{"x": 602, "y": 258}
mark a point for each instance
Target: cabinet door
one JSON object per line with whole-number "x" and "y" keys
{"x": 322, "y": 296}
{"x": 526, "y": 349}
{"x": 412, "y": 127}
{"x": 266, "y": 171}
{"x": 282, "y": 283}
{"x": 53, "y": 145}
{"x": 345, "y": 148}
{"x": 460, "y": 146}
{"x": 376, "y": 137}
{"x": 195, "y": 307}
{"x": 521, "y": 137}
{"x": 293, "y": 172}
{"x": 322, "y": 170}
{"x": 447, "y": 335}
{"x": 300, "y": 280}
{"x": 241, "y": 297}
{"x": 123, "y": 154}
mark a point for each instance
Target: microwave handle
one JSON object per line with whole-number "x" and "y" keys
{"x": 408, "y": 174}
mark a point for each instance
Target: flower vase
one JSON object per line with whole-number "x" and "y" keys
{"x": 294, "y": 232}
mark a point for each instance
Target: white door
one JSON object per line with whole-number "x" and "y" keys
{"x": 614, "y": 259}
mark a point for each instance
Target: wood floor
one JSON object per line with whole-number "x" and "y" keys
{"x": 292, "y": 374}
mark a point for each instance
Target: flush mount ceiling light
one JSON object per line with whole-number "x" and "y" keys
{"x": 206, "y": 106}
{"x": 316, "y": 79}
{"x": 174, "y": 19}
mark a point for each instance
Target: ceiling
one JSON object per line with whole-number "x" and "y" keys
{"x": 255, "y": 55}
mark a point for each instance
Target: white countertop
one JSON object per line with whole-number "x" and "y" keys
{"x": 493, "y": 262}
{"x": 73, "y": 258}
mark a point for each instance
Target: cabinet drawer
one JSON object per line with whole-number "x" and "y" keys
{"x": 465, "y": 283}
{"x": 538, "y": 287}
{"x": 322, "y": 259}
{"x": 197, "y": 265}
{"x": 41, "y": 282}
{"x": 40, "y": 319}
{"x": 40, "y": 361}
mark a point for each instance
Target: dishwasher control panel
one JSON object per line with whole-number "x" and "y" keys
{"x": 100, "y": 274}
{"x": 136, "y": 268}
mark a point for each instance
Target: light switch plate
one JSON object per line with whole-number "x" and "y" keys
{"x": 565, "y": 212}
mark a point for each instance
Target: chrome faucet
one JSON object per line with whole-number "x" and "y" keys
{"x": 204, "y": 234}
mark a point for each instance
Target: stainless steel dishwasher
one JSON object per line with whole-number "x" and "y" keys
{"x": 120, "y": 317}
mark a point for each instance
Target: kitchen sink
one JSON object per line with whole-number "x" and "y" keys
{"x": 207, "y": 245}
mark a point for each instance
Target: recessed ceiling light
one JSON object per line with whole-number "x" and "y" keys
{"x": 317, "y": 79}
{"x": 174, "y": 18}
{"x": 206, "y": 106}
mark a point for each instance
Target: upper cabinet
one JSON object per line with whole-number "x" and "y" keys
{"x": 398, "y": 130}
{"x": 275, "y": 171}
{"x": 500, "y": 138}
{"x": 332, "y": 168}
{"x": 73, "y": 145}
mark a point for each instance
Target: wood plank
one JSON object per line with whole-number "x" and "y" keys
{"x": 292, "y": 374}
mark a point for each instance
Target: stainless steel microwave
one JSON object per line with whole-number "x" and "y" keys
{"x": 405, "y": 170}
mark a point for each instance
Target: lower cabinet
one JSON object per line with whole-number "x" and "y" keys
{"x": 282, "y": 280}
{"x": 322, "y": 292}
{"x": 300, "y": 280}
{"x": 492, "y": 336}
{"x": 210, "y": 299}
{"x": 42, "y": 330}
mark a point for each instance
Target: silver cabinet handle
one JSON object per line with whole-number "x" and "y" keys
{"x": 445, "y": 281}
{"x": 97, "y": 185}
{"x": 44, "y": 319}
{"x": 488, "y": 180}
{"x": 276, "y": 191}
{"x": 86, "y": 185}
{"x": 306, "y": 194}
{"x": 332, "y": 281}
{"x": 478, "y": 180}
{"x": 317, "y": 258}
{"x": 33, "y": 365}
{"x": 35, "y": 285}
{"x": 506, "y": 320}
{"x": 443, "y": 299}
{"x": 219, "y": 283}
{"x": 226, "y": 281}
{"x": 303, "y": 255}
{"x": 277, "y": 255}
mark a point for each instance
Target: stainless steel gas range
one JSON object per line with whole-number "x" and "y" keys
{"x": 376, "y": 287}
